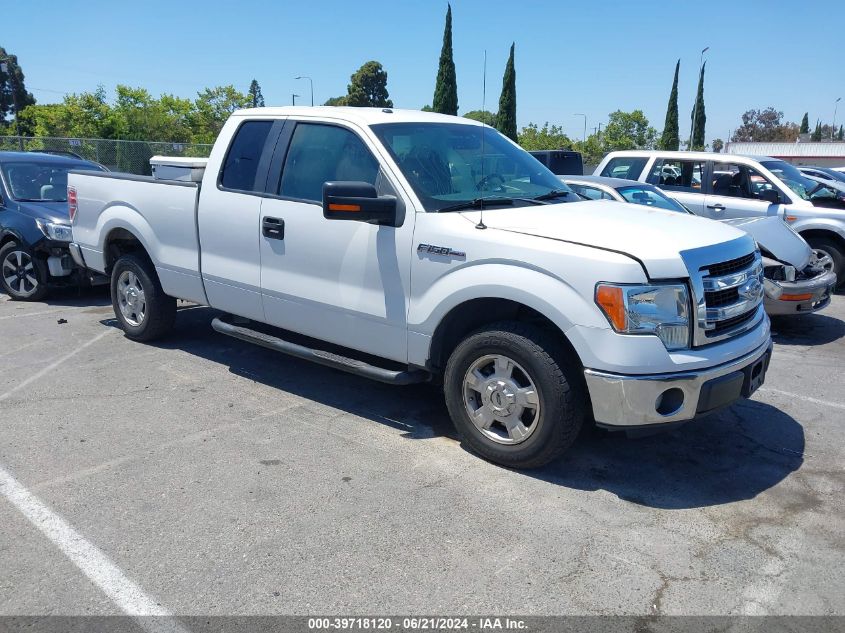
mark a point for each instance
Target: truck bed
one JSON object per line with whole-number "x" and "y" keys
{"x": 111, "y": 202}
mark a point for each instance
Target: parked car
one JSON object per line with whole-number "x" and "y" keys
{"x": 373, "y": 233}
{"x": 824, "y": 173}
{"x": 796, "y": 281}
{"x": 722, "y": 186}
{"x": 34, "y": 224}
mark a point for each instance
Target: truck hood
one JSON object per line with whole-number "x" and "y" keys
{"x": 774, "y": 236}
{"x": 51, "y": 211}
{"x": 653, "y": 236}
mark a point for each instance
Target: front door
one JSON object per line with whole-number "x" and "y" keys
{"x": 681, "y": 179}
{"x": 342, "y": 281}
{"x": 735, "y": 192}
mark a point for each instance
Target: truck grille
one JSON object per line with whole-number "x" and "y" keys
{"x": 727, "y": 294}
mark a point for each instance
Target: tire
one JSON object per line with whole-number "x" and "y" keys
{"x": 144, "y": 312}
{"x": 22, "y": 275}
{"x": 834, "y": 250}
{"x": 475, "y": 380}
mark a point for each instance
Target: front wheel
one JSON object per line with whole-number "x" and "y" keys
{"x": 145, "y": 313}
{"x": 22, "y": 275}
{"x": 831, "y": 256}
{"x": 514, "y": 395}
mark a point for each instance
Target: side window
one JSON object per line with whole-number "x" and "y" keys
{"x": 589, "y": 192}
{"x": 321, "y": 153}
{"x": 738, "y": 181}
{"x": 627, "y": 167}
{"x": 677, "y": 175}
{"x": 241, "y": 165}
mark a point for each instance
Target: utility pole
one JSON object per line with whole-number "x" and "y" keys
{"x": 585, "y": 124}
{"x": 293, "y": 99}
{"x": 835, "y": 107}
{"x": 695, "y": 106}
{"x": 311, "y": 83}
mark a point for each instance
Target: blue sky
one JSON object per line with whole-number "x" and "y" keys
{"x": 588, "y": 57}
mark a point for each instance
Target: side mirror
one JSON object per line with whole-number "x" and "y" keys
{"x": 359, "y": 202}
{"x": 771, "y": 196}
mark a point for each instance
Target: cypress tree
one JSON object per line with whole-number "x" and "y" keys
{"x": 817, "y": 133}
{"x": 446, "y": 89}
{"x": 805, "y": 124}
{"x": 670, "y": 139}
{"x": 699, "y": 115}
{"x": 506, "y": 117}
{"x": 841, "y": 135}
{"x": 256, "y": 99}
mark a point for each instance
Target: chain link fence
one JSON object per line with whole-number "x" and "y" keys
{"x": 132, "y": 157}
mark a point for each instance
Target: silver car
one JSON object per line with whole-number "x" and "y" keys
{"x": 795, "y": 278}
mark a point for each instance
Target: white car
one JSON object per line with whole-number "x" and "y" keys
{"x": 796, "y": 279}
{"x": 720, "y": 186}
{"x": 411, "y": 246}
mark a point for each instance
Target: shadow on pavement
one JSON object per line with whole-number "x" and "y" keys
{"x": 96, "y": 296}
{"x": 809, "y": 329}
{"x": 734, "y": 455}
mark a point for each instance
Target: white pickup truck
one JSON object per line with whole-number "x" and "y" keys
{"x": 407, "y": 246}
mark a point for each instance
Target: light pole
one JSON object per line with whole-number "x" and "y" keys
{"x": 585, "y": 124}
{"x": 695, "y": 106}
{"x": 311, "y": 82}
{"x": 835, "y": 107}
{"x": 293, "y": 99}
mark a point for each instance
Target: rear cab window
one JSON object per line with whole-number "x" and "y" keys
{"x": 240, "y": 168}
{"x": 626, "y": 167}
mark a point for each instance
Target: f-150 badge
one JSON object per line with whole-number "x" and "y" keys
{"x": 431, "y": 249}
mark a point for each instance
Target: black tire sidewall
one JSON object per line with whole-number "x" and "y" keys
{"x": 40, "y": 272}
{"x": 145, "y": 271}
{"x": 544, "y": 443}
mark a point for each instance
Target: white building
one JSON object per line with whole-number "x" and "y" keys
{"x": 821, "y": 154}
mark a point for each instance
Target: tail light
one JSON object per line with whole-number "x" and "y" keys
{"x": 72, "y": 205}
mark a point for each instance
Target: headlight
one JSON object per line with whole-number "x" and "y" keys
{"x": 55, "y": 231}
{"x": 662, "y": 310}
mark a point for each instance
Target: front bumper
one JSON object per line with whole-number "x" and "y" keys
{"x": 624, "y": 401}
{"x": 76, "y": 254}
{"x": 777, "y": 298}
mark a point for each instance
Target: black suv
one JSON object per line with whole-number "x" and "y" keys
{"x": 34, "y": 224}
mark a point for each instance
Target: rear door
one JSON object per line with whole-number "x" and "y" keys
{"x": 681, "y": 179}
{"x": 735, "y": 192}
{"x": 228, "y": 221}
{"x": 341, "y": 281}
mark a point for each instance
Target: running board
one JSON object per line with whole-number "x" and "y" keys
{"x": 322, "y": 357}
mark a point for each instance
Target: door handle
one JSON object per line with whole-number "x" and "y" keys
{"x": 273, "y": 228}
{"x": 716, "y": 207}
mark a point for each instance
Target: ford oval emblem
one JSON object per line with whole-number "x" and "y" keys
{"x": 751, "y": 291}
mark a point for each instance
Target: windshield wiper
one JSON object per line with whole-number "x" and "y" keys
{"x": 476, "y": 204}
{"x": 554, "y": 193}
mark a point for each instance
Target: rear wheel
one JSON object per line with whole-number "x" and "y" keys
{"x": 22, "y": 275}
{"x": 145, "y": 313}
{"x": 831, "y": 256}
{"x": 514, "y": 395}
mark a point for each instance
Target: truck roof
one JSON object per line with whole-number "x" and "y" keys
{"x": 362, "y": 116}
{"x": 682, "y": 155}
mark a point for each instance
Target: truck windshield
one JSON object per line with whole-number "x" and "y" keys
{"x": 447, "y": 164}
{"x": 35, "y": 181}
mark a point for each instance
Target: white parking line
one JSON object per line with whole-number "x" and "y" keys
{"x": 798, "y": 396}
{"x": 53, "y": 365}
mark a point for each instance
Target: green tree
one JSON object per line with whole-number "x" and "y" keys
{"x": 368, "y": 87}
{"x": 336, "y": 101}
{"x": 817, "y": 133}
{"x": 426, "y": 108}
{"x": 841, "y": 134}
{"x": 547, "y": 137}
{"x": 211, "y": 109}
{"x": 718, "y": 145}
{"x": 13, "y": 94}
{"x": 699, "y": 115}
{"x": 670, "y": 140}
{"x": 506, "y": 118}
{"x": 761, "y": 126}
{"x": 805, "y": 124}
{"x": 628, "y": 130}
{"x": 446, "y": 88}
{"x": 256, "y": 99}
{"x": 485, "y": 116}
